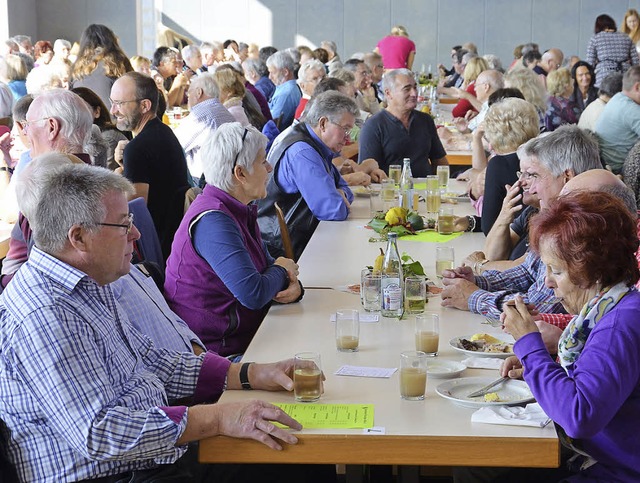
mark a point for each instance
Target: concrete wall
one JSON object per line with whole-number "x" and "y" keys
{"x": 495, "y": 26}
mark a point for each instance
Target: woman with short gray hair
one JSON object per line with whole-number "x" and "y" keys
{"x": 220, "y": 278}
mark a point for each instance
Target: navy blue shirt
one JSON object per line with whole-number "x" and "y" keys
{"x": 385, "y": 139}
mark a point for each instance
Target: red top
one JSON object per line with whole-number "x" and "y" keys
{"x": 395, "y": 50}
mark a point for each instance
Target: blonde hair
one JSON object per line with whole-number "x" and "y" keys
{"x": 635, "y": 34}
{"x": 558, "y": 81}
{"x": 528, "y": 83}
{"x": 474, "y": 68}
{"x": 139, "y": 60}
{"x": 510, "y": 123}
{"x": 399, "y": 30}
{"x": 14, "y": 68}
{"x": 229, "y": 84}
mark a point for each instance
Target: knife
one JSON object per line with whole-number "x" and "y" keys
{"x": 486, "y": 389}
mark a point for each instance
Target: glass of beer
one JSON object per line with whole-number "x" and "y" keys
{"x": 428, "y": 333}
{"x": 432, "y": 182}
{"x": 415, "y": 294}
{"x": 433, "y": 201}
{"x": 413, "y": 375}
{"x": 443, "y": 178}
{"x": 307, "y": 377}
{"x": 347, "y": 330}
{"x": 395, "y": 171}
{"x": 445, "y": 259}
{"x": 445, "y": 220}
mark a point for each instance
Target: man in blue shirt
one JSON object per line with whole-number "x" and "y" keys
{"x": 287, "y": 95}
{"x": 305, "y": 183}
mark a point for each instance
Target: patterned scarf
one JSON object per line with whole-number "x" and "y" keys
{"x": 575, "y": 335}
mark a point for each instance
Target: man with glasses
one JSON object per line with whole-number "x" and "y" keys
{"x": 400, "y": 131}
{"x": 548, "y": 162}
{"x": 84, "y": 395}
{"x": 305, "y": 183}
{"x": 365, "y": 94}
{"x": 154, "y": 160}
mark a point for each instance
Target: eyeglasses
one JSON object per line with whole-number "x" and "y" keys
{"x": 119, "y": 104}
{"x": 26, "y": 124}
{"x": 527, "y": 176}
{"x": 235, "y": 161}
{"x": 127, "y": 225}
{"x": 347, "y": 130}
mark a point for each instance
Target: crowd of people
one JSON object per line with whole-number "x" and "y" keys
{"x": 133, "y": 348}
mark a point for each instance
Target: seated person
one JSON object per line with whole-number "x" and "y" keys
{"x": 305, "y": 183}
{"x": 114, "y": 392}
{"x": 400, "y": 131}
{"x": 560, "y": 108}
{"x": 220, "y": 278}
{"x": 592, "y": 393}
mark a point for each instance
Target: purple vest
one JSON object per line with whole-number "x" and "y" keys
{"x": 196, "y": 293}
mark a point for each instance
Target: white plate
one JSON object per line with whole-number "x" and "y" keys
{"x": 503, "y": 337}
{"x": 441, "y": 369}
{"x": 511, "y": 392}
{"x": 361, "y": 191}
{"x": 457, "y": 196}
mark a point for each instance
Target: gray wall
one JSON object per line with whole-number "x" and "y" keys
{"x": 495, "y": 26}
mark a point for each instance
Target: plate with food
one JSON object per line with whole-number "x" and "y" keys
{"x": 442, "y": 369}
{"x": 450, "y": 196}
{"x": 360, "y": 191}
{"x": 481, "y": 344}
{"x": 510, "y": 393}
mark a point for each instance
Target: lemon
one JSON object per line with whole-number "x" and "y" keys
{"x": 396, "y": 216}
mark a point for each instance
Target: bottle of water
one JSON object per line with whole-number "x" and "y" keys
{"x": 392, "y": 304}
{"x": 406, "y": 185}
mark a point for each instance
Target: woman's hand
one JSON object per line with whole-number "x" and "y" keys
{"x": 289, "y": 265}
{"x": 516, "y": 319}
{"x": 289, "y": 294}
{"x": 512, "y": 367}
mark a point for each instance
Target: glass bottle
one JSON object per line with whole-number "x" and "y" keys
{"x": 406, "y": 185}
{"x": 391, "y": 285}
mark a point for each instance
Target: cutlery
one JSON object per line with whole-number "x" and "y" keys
{"x": 486, "y": 389}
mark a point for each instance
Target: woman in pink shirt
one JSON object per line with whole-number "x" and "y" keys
{"x": 397, "y": 50}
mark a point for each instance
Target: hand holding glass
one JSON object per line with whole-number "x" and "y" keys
{"x": 307, "y": 376}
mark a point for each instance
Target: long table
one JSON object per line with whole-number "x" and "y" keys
{"x": 432, "y": 432}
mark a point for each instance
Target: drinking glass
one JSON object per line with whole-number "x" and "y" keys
{"x": 415, "y": 294}
{"x": 445, "y": 220}
{"x": 428, "y": 333}
{"x": 395, "y": 171}
{"x": 443, "y": 177}
{"x": 347, "y": 330}
{"x": 413, "y": 375}
{"x": 307, "y": 376}
{"x": 390, "y": 194}
{"x": 432, "y": 182}
{"x": 445, "y": 259}
{"x": 370, "y": 287}
{"x": 375, "y": 200}
{"x": 433, "y": 201}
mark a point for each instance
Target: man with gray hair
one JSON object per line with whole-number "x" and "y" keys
{"x": 305, "y": 183}
{"x": 212, "y": 55}
{"x": 618, "y": 127}
{"x": 207, "y": 113}
{"x": 334, "y": 59}
{"x": 287, "y": 95}
{"x": 547, "y": 163}
{"x": 256, "y": 72}
{"x": 192, "y": 59}
{"x": 400, "y": 131}
{"x": 113, "y": 383}
{"x": 309, "y": 75}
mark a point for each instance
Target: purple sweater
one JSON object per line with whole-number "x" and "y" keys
{"x": 219, "y": 278}
{"x": 598, "y": 402}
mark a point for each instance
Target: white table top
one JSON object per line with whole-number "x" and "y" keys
{"x": 429, "y": 432}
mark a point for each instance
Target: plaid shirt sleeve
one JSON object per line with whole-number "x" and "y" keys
{"x": 559, "y": 320}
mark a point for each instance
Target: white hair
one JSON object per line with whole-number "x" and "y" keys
{"x": 281, "y": 60}
{"x": 42, "y": 79}
{"x": 207, "y": 83}
{"x": 310, "y": 66}
{"x": 223, "y": 147}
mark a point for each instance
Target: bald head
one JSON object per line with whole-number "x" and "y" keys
{"x": 552, "y": 59}
{"x": 592, "y": 180}
{"x": 487, "y": 83}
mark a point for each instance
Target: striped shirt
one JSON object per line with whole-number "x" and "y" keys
{"x": 526, "y": 279}
{"x": 84, "y": 394}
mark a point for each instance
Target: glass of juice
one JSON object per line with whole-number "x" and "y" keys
{"x": 415, "y": 293}
{"x": 395, "y": 171}
{"x": 347, "y": 330}
{"x": 428, "y": 333}
{"x": 307, "y": 376}
{"x": 413, "y": 375}
{"x": 445, "y": 259}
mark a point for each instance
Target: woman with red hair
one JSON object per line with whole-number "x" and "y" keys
{"x": 588, "y": 241}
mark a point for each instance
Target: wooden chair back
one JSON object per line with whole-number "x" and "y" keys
{"x": 284, "y": 233}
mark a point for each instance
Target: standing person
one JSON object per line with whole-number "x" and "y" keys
{"x": 400, "y": 131}
{"x": 100, "y": 62}
{"x": 154, "y": 161}
{"x": 397, "y": 50}
{"x": 631, "y": 26}
{"x": 609, "y": 50}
